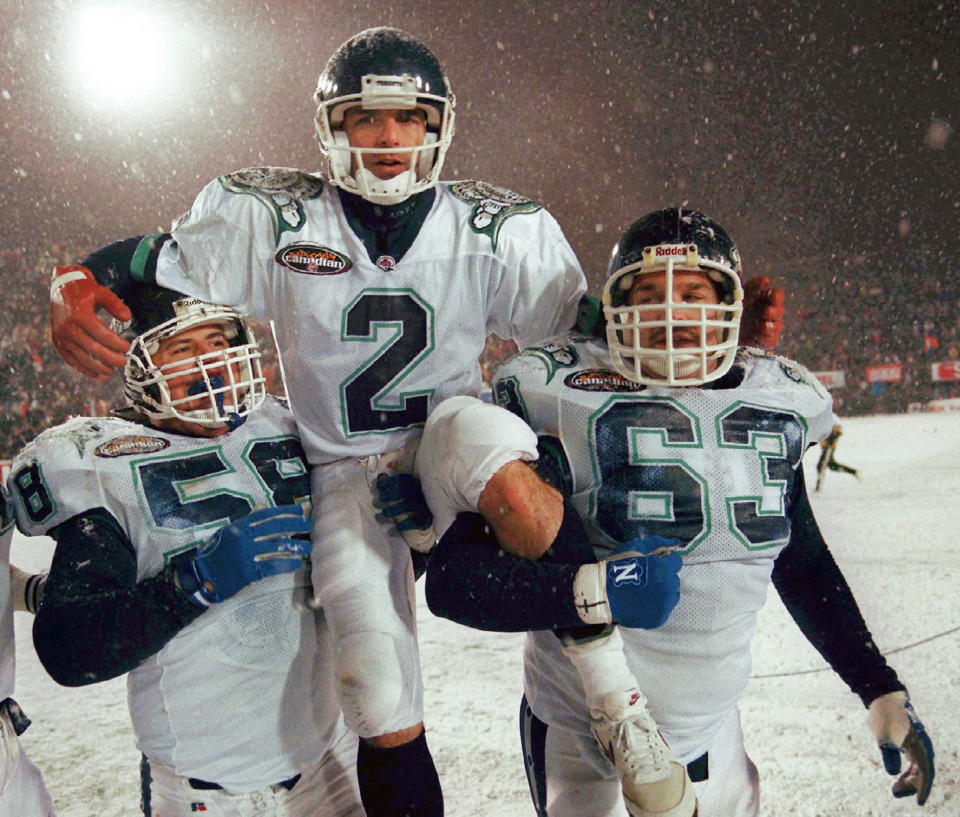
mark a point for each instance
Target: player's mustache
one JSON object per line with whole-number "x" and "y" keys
{"x": 685, "y": 334}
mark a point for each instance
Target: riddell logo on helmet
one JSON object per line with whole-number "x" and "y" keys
{"x": 670, "y": 250}
{"x": 312, "y": 259}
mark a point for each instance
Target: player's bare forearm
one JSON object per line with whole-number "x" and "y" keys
{"x": 524, "y": 512}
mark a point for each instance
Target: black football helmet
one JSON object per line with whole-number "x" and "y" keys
{"x": 230, "y": 379}
{"x": 661, "y": 242}
{"x": 383, "y": 68}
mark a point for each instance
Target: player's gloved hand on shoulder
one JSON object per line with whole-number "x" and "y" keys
{"x": 401, "y": 500}
{"x": 267, "y": 542}
{"x": 81, "y": 338}
{"x": 637, "y": 587}
{"x": 899, "y": 732}
{"x": 763, "y": 311}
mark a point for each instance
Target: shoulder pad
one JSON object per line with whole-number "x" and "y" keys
{"x": 54, "y": 477}
{"x": 555, "y": 354}
{"x": 282, "y": 190}
{"x": 782, "y": 368}
{"x": 491, "y": 206}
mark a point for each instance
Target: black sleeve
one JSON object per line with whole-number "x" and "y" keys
{"x": 472, "y": 581}
{"x": 816, "y": 594}
{"x": 117, "y": 265}
{"x": 96, "y": 621}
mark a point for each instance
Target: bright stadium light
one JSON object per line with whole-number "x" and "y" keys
{"x": 123, "y": 53}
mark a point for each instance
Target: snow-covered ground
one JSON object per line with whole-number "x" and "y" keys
{"x": 895, "y": 533}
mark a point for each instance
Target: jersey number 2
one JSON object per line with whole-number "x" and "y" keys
{"x": 370, "y": 398}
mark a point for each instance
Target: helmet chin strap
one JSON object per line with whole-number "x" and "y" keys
{"x": 393, "y": 191}
{"x": 683, "y": 365}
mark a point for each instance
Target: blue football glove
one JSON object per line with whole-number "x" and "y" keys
{"x": 401, "y": 500}
{"x": 637, "y": 587}
{"x": 898, "y": 731}
{"x": 261, "y": 544}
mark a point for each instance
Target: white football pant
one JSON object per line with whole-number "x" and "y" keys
{"x": 328, "y": 789}
{"x": 363, "y": 578}
{"x": 22, "y": 790}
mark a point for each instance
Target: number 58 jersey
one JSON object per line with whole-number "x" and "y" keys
{"x": 713, "y": 467}
{"x": 241, "y": 695}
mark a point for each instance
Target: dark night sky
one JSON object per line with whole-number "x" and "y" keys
{"x": 807, "y": 128}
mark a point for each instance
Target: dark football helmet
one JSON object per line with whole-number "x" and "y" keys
{"x": 231, "y": 379}
{"x": 662, "y": 242}
{"x": 383, "y": 68}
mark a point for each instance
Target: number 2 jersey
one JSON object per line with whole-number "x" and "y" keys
{"x": 711, "y": 466}
{"x": 370, "y": 345}
{"x": 242, "y": 695}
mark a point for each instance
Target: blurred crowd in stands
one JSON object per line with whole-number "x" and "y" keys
{"x": 836, "y": 320}
{"x": 874, "y": 311}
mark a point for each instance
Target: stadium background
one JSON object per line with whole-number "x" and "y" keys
{"x": 821, "y": 134}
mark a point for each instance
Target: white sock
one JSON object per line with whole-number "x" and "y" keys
{"x": 602, "y": 666}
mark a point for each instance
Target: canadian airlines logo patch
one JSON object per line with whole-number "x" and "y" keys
{"x": 600, "y": 380}
{"x": 312, "y": 259}
{"x": 134, "y": 444}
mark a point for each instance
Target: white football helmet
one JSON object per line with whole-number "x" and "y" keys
{"x": 378, "y": 69}
{"x": 231, "y": 380}
{"x": 666, "y": 241}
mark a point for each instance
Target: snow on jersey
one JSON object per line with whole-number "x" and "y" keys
{"x": 7, "y": 651}
{"x": 240, "y": 696}
{"x": 711, "y": 467}
{"x": 368, "y": 350}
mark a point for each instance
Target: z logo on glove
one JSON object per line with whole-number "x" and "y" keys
{"x": 630, "y": 572}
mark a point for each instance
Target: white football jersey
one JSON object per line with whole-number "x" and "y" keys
{"x": 370, "y": 348}
{"x": 710, "y": 467}
{"x": 243, "y": 695}
{"x": 7, "y": 651}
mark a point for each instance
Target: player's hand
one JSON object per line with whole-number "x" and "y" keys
{"x": 899, "y": 732}
{"x": 267, "y": 542}
{"x": 763, "y": 311}
{"x": 637, "y": 587}
{"x": 79, "y": 335}
{"x": 401, "y": 500}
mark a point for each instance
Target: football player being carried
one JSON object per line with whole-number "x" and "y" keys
{"x": 383, "y": 284}
{"x": 182, "y": 527}
{"x": 664, "y": 427}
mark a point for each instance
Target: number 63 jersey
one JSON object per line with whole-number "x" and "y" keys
{"x": 713, "y": 467}
{"x": 240, "y": 695}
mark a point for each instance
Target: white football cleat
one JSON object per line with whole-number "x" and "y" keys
{"x": 654, "y": 782}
